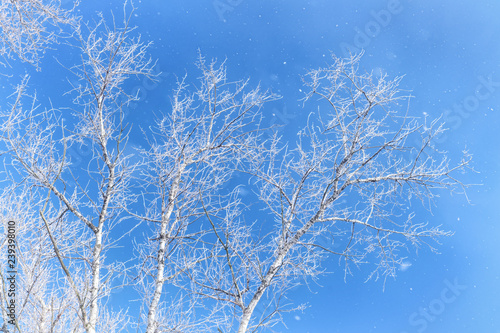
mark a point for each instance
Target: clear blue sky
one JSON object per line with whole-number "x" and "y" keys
{"x": 449, "y": 52}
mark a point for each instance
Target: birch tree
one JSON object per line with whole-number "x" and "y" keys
{"x": 343, "y": 189}
{"x": 194, "y": 151}
{"x": 90, "y": 203}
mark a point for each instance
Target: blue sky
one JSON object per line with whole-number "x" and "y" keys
{"x": 449, "y": 54}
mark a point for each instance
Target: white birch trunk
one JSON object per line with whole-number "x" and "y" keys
{"x": 160, "y": 269}
{"x": 247, "y": 313}
{"x": 96, "y": 254}
{"x": 275, "y": 267}
{"x": 94, "y": 290}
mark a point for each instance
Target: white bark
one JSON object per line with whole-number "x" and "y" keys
{"x": 160, "y": 269}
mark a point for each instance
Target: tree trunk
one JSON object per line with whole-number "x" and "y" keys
{"x": 160, "y": 269}
{"x": 247, "y": 313}
{"x": 94, "y": 291}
